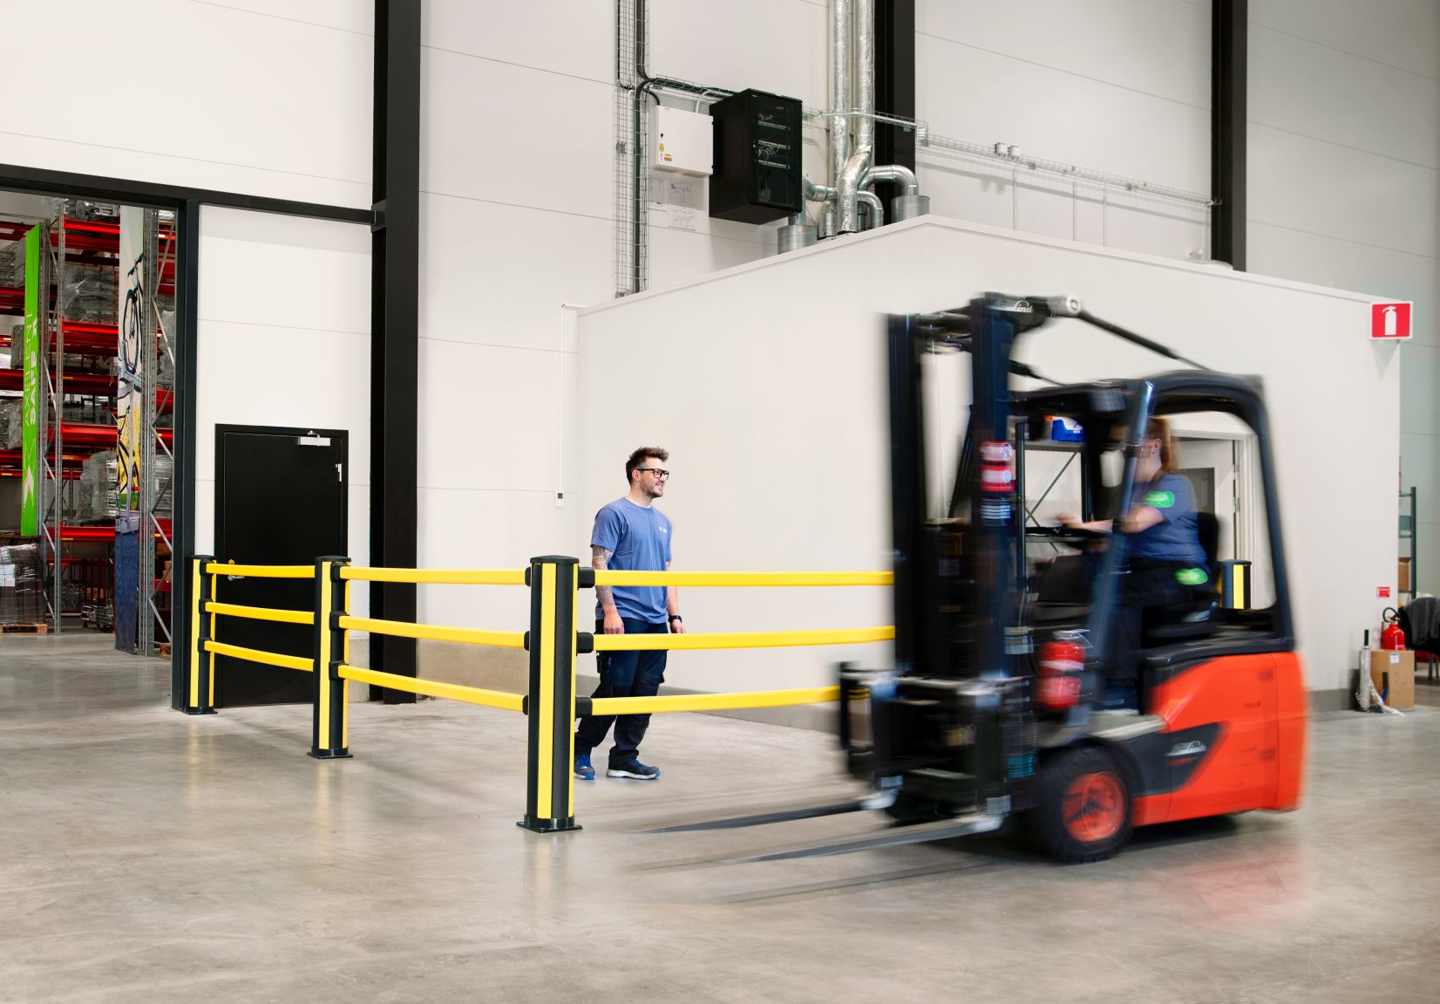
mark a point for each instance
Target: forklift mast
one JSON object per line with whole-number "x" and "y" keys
{"x": 973, "y": 644}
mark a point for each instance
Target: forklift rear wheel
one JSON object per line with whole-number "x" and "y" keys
{"x": 1083, "y": 806}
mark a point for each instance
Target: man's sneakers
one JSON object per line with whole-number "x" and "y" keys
{"x": 635, "y": 769}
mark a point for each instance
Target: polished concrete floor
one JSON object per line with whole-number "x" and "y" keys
{"x": 150, "y": 857}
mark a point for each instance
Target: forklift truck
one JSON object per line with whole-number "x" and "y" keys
{"x": 993, "y": 710}
{"x": 994, "y": 706}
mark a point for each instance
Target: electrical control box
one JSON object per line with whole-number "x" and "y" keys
{"x": 680, "y": 141}
{"x": 757, "y": 158}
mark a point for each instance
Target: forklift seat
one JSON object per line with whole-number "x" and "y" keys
{"x": 1195, "y": 617}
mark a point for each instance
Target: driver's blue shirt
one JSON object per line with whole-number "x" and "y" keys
{"x": 1176, "y": 537}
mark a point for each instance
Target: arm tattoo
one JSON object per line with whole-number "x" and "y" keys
{"x": 600, "y": 561}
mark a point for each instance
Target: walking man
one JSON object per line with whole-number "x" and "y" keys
{"x": 630, "y": 535}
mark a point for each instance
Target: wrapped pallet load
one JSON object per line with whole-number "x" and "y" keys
{"x": 22, "y": 585}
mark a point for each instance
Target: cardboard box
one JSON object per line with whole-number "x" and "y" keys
{"x": 1394, "y": 676}
{"x": 1404, "y": 575}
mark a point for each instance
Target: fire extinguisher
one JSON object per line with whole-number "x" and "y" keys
{"x": 1392, "y": 639}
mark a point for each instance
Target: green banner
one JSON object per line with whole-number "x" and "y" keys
{"x": 30, "y": 406}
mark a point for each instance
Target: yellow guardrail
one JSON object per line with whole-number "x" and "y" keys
{"x": 747, "y": 639}
{"x": 264, "y": 658}
{"x": 712, "y": 702}
{"x": 260, "y": 613}
{"x": 553, "y": 643}
{"x": 438, "y": 577}
{"x": 433, "y": 688}
{"x": 435, "y": 632}
{"x": 729, "y": 579}
{"x": 262, "y": 571}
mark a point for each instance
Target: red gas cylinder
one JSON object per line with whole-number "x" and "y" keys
{"x": 1392, "y": 639}
{"x": 1061, "y": 663}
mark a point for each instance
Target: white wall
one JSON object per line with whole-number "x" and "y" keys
{"x": 1344, "y": 151}
{"x": 254, "y": 96}
{"x": 519, "y": 174}
{"x": 284, "y": 340}
{"x": 1120, "y": 86}
{"x": 777, "y": 422}
{"x": 518, "y": 177}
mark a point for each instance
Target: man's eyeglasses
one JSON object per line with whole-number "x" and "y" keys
{"x": 659, "y": 474}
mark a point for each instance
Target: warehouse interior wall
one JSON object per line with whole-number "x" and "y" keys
{"x": 1345, "y": 182}
{"x": 283, "y": 340}
{"x": 519, "y": 184}
{"x": 1119, "y": 86}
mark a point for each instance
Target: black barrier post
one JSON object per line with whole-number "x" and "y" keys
{"x": 331, "y": 707}
{"x": 200, "y": 699}
{"x": 550, "y": 702}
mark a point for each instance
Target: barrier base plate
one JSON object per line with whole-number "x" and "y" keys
{"x": 198, "y": 711}
{"x": 344, "y": 754}
{"x": 548, "y": 825}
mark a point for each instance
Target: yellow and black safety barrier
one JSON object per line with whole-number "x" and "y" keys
{"x": 1235, "y": 589}
{"x": 553, "y": 643}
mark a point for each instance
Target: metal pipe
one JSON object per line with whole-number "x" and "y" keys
{"x": 865, "y": 74}
{"x": 847, "y": 204}
{"x": 876, "y": 207}
{"x": 897, "y": 173}
{"x": 839, "y": 87}
{"x": 819, "y": 193}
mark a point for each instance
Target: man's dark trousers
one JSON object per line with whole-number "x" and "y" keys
{"x": 623, "y": 674}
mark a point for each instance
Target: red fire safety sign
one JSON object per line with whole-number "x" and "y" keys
{"x": 1390, "y": 320}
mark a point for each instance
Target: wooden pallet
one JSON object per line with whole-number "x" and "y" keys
{"x": 24, "y": 628}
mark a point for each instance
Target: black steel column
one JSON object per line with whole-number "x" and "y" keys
{"x": 182, "y": 528}
{"x": 394, "y": 327}
{"x": 894, "y": 86}
{"x": 1228, "y": 54}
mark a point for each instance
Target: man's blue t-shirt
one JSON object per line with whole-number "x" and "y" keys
{"x": 639, "y": 536}
{"x": 1175, "y": 537}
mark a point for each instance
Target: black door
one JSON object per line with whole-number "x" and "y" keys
{"x": 280, "y": 499}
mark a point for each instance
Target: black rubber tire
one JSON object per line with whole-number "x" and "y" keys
{"x": 1047, "y": 823}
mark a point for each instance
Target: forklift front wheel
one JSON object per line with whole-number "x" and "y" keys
{"x": 1083, "y": 805}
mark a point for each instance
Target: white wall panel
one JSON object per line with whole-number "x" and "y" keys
{"x": 1419, "y": 407}
{"x": 496, "y": 274}
{"x": 356, "y": 16}
{"x": 1329, "y": 261}
{"x": 677, "y": 256}
{"x": 283, "y": 271}
{"x": 829, "y": 508}
{"x": 1313, "y": 90}
{"x": 238, "y": 101}
{"x": 1156, "y": 48}
{"x": 571, "y": 37}
{"x": 491, "y": 416}
{"x": 778, "y": 46}
{"x": 283, "y": 341}
{"x": 971, "y": 94}
{"x": 513, "y": 135}
{"x": 1311, "y": 185}
{"x": 1400, "y": 33}
{"x": 488, "y": 529}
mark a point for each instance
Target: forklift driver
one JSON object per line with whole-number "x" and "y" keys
{"x": 1166, "y": 559}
